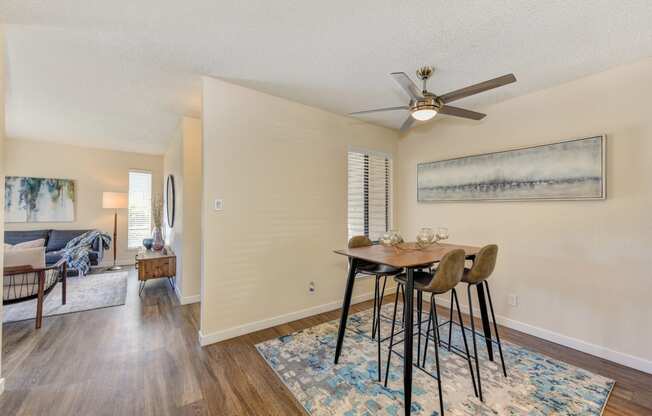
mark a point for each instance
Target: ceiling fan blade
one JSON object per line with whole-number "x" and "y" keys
{"x": 461, "y": 112}
{"x": 403, "y": 107}
{"x": 478, "y": 88}
{"x": 407, "y": 123}
{"x": 406, "y": 83}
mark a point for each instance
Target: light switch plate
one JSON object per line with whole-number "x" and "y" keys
{"x": 218, "y": 205}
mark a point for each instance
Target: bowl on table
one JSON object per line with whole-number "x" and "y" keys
{"x": 147, "y": 243}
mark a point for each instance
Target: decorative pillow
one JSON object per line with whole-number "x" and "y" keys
{"x": 59, "y": 238}
{"x": 27, "y": 244}
{"x": 34, "y": 257}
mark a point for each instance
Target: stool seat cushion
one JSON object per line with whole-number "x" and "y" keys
{"x": 466, "y": 277}
{"x": 378, "y": 270}
{"x": 421, "y": 280}
{"x": 483, "y": 265}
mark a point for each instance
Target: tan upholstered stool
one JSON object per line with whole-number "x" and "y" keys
{"x": 482, "y": 268}
{"x": 378, "y": 271}
{"x": 445, "y": 278}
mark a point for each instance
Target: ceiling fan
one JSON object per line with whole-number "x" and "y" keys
{"x": 424, "y": 105}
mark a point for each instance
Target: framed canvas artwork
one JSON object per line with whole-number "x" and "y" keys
{"x": 30, "y": 199}
{"x": 573, "y": 169}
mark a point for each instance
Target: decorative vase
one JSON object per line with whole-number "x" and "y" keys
{"x": 425, "y": 237}
{"x": 391, "y": 238}
{"x": 157, "y": 236}
{"x": 442, "y": 234}
{"x": 148, "y": 243}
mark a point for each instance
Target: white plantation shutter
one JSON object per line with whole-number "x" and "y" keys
{"x": 369, "y": 193}
{"x": 140, "y": 208}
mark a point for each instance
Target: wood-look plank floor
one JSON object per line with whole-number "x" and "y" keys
{"x": 143, "y": 358}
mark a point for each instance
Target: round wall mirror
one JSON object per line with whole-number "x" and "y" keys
{"x": 169, "y": 199}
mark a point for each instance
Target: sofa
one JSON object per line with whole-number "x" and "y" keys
{"x": 55, "y": 240}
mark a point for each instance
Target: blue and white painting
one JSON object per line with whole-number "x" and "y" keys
{"x": 39, "y": 199}
{"x": 572, "y": 169}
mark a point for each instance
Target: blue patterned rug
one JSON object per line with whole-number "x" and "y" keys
{"x": 537, "y": 384}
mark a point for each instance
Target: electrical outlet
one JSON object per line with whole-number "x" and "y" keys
{"x": 512, "y": 300}
{"x": 218, "y": 205}
{"x": 311, "y": 287}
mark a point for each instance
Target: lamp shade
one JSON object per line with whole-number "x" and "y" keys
{"x": 115, "y": 200}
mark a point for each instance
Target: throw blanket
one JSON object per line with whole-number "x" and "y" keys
{"x": 76, "y": 251}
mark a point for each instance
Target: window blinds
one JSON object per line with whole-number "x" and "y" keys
{"x": 140, "y": 208}
{"x": 369, "y": 194}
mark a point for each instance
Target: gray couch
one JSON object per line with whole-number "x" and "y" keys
{"x": 55, "y": 240}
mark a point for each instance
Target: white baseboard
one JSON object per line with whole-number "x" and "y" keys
{"x": 206, "y": 339}
{"x": 625, "y": 359}
{"x": 186, "y": 300}
{"x": 2, "y": 385}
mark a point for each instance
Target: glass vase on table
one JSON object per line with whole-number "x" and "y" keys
{"x": 425, "y": 237}
{"x": 391, "y": 238}
{"x": 158, "y": 243}
{"x": 442, "y": 234}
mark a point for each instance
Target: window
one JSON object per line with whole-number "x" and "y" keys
{"x": 369, "y": 193}
{"x": 140, "y": 208}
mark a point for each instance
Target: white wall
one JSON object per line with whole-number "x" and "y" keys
{"x": 581, "y": 269}
{"x": 183, "y": 160}
{"x": 281, "y": 168}
{"x": 94, "y": 171}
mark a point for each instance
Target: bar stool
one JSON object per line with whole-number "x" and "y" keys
{"x": 483, "y": 266}
{"x": 378, "y": 271}
{"x": 447, "y": 275}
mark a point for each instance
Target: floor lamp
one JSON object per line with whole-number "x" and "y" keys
{"x": 115, "y": 201}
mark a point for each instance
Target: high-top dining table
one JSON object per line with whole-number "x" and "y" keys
{"x": 410, "y": 257}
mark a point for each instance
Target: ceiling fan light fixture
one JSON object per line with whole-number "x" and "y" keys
{"x": 424, "y": 105}
{"x": 424, "y": 114}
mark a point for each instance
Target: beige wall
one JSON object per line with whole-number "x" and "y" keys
{"x": 173, "y": 165}
{"x": 581, "y": 269}
{"x": 192, "y": 201}
{"x": 94, "y": 171}
{"x": 183, "y": 160}
{"x": 281, "y": 168}
{"x": 2, "y": 176}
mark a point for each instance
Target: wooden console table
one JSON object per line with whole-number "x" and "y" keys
{"x": 155, "y": 265}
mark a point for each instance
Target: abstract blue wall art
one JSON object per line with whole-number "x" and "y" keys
{"x": 573, "y": 169}
{"x": 39, "y": 199}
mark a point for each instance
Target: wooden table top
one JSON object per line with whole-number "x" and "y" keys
{"x": 406, "y": 255}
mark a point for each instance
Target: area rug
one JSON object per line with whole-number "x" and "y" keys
{"x": 536, "y": 384}
{"x": 93, "y": 291}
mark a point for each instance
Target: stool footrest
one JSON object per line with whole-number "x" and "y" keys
{"x": 469, "y": 329}
{"x": 416, "y": 365}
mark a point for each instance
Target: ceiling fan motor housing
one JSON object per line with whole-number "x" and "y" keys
{"x": 430, "y": 102}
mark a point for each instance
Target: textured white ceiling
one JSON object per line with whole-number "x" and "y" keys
{"x": 119, "y": 74}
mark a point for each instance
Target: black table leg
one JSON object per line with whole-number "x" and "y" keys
{"x": 485, "y": 320}
{"x": 407, "y": 342}
{"x": 345, "y": 307}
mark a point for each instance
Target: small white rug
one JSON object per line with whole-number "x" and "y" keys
{"x": 93, "y": 291}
